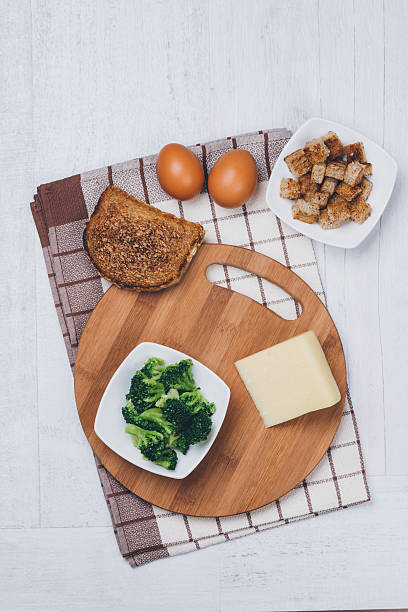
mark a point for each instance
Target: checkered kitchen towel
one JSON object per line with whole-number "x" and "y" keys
{"x": 60, "y": 209}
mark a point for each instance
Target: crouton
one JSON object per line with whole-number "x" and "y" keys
{"x": 338, "y": 210}
{"x": 307, "y": 185}
{"x": 355, "y": 152}
{"x": 316, "y": 151}
{"x": 353, "y": 173}
{"x": 318, "y": 171}
{"x": 333, "y": 143}
{"x": 368, "y": 169}
{"x": 347, "y": 192}
{"x": 298, "y": 163}
{"x": 289, "y": 188}
{"x": 320, "y": 199}
{"x": 336, "y": 199}
{"x": 329, "y": 185}
{"x": 336, "y": 170}
{"x": 326, "y": 223}
{"x": 359, "y": 210}
{"x": 366, "y": 187}
{"x": 305, "y": 211}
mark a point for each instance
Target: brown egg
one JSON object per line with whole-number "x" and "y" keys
{"x": 233, "y": 178}
{"x": 179, "y": 172}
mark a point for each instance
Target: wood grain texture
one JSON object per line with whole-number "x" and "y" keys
{"x": 248, "y": 465}
{"x": 19, "y": 461}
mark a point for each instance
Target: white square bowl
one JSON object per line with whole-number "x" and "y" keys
{"x": 110, "y": 426}
{"x": 350, "y": 234}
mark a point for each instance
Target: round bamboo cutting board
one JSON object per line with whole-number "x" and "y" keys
{"x": 248, "y": 466}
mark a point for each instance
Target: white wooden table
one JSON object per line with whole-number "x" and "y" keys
{"x": 85, "y": 83}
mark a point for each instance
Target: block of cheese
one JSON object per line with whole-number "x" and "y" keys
{"x": 289, "y": 379}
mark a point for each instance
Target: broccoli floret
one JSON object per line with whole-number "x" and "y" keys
{"x": 129, "y": 413}
{"x": 198, "y": 427}
{"x": 193, "y": 400}
{"x": 178, "y": 376}
{"x": 133, "y": 417}
{"x": 179, "y": 441}
{"x": 153, "y": 368}
{"x": 182, "y": 444}
{"x": 172, "y": 394}
{"x": 168, "y": 459}
{"x": 150, "y": 443}
{"x": 155, "y": 415}
{"x": 144, "y": 391}
{"x": 176, "y": 411}
{"x": 166, "y": 411}
{"x": 196, "y": 401}
{"x": 209, "y": 407}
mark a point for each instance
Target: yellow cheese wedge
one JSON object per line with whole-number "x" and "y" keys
{"x": 289, "y": 379}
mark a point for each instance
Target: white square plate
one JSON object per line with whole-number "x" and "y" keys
{"x": 110, "y": 425}
{"x": 350, "y": 234}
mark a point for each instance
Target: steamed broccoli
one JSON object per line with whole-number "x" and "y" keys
{"x": 166, "y": 411}
{"x": 129, "y": 413}
{"x": 150, "y": 443}
{"x": 172, "y": 394}
{"x": 153, "y": 368}
{"x": 193, "y": 400}
{"x": 168, "y": 459}
{"x": 144, "y": 391}
{"x": 198, "y": 427}
{"x": 155, "y": 415}
{"x": 178, "y": 376}
{"x": 182, "y": 443}
{"x": 176, "y": 411}
{"x": 209, "y": 407}
{"x": 178, "y": 440}
{"x": 196, "y": 401}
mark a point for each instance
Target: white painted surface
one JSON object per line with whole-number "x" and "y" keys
{"x": 86, "y": 83}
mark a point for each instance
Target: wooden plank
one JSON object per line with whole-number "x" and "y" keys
{"x": 18, "y": 404}
{"x": 131, "y": 85}
{"x": 46, "y": 570}
{"x": 394, "y": 262}
{"x": 328, "y": 563}
{"x": 302, "y": 566}
{"x": 260, "y": 74}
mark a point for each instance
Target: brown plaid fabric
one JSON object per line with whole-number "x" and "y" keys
{"x": 60, "y": 209}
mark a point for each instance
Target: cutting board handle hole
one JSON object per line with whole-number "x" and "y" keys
{"x": 263, "y": 291}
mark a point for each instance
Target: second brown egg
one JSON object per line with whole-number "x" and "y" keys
{"x": 233, "y": 178}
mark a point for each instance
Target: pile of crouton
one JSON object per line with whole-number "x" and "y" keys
{"x": 331, "y": 184}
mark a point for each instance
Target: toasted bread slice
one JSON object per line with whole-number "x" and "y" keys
{"x": 137, "y": 246}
